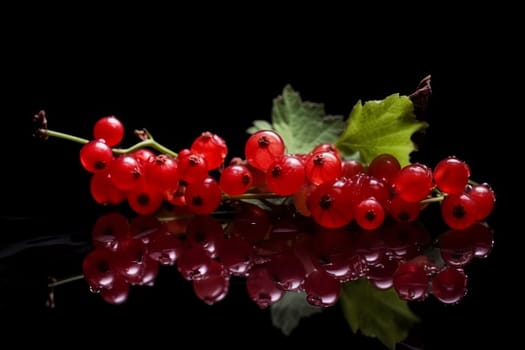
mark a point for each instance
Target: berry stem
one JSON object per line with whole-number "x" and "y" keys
{"x": 432, "y": 200}
{"x": 472, "y": 182}
{"x": 61, "y": 135}
{"x": 150, "y": 142}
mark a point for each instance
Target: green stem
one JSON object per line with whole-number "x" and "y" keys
{"x": 61, "y": 135}
{"x": 433, "y": 200}
{"x": 151, "y": 143}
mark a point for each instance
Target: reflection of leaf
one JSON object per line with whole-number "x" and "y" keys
{"x": 378, "y": 127}
{"x": 288, "y": 312}
{"x": 378, "y": 314}
{"x": 302, "y": 125}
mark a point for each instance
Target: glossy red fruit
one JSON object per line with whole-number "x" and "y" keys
{"x": 459, "y": 211}
{"x": 193, "y": 167}
{"x": 451, "y": 175}
{"x": 162, "y": 173}
{"x": 484, "y": 198}
{"x": 96, "y": 156}
{"x": 413, "y": 182}
{"x": 322, "y": 166}
{"x": 403, "y": 211}
{"x": 350, "y": 168}
{"x": 331, "y": 204}
{"x": 286, "y": 175}
{"x": 263, "y": 148}
{"x": 369, "y": 214}
{"x": 126, "y": 173}
{"x": 109, "y": 129}
{"x": 145, "y": 199}
{"x": 384, "y": 167}
{"x": 203, "y": 197}
{"x": 212, "y": 147}
{"x": 236, "y": 179}
{"x": 104, "y": 191}
{"x": 327, "y": 147}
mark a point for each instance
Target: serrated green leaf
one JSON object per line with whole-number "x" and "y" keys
{"x": 378, "y": 127}
{"x": 302, "y": 125}
{"x": 378, "y": 314}
{"x": 290, "y": 310}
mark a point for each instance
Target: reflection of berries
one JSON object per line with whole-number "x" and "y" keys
{"x": 308, "y": 257}
{"x": 449, "y": 285}
{"x": 411, "y": 281}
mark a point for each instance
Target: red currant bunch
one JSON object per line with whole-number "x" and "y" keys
{"x": 285, "y": 221}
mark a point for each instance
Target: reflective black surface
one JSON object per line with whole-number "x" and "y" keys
{"x": 47, "y": 213}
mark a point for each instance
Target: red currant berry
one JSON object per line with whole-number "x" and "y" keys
{"x": 413, "y": 182}
{"x": 236, "y": 179}
{"x": 322, "y": 166}
{"x": 263, "y": 148}
{"x": 285, "y": 176}
{"x": 451, "y": 175}
{"x": 203, "y": 197}
{"x": 212, "y": 147}
{"x": 459, "y": 211}
{"x": 109, "y": 129}
{"x": 369, "y": 214}
{"x": 95, "y": 156}
{"x": 484, "y": 198}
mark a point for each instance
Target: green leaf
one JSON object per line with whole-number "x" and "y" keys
{"x": 302, "y": 125}
{"x": 290, "y": 310}
{"x": 378, "y": 127}
{"x": 378, "y": 314}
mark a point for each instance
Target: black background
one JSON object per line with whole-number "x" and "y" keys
{"x": 179, "y": 86}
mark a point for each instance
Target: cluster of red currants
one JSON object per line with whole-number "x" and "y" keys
{"x": 334, "y": 191}
{"x": 341, "y": 220}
